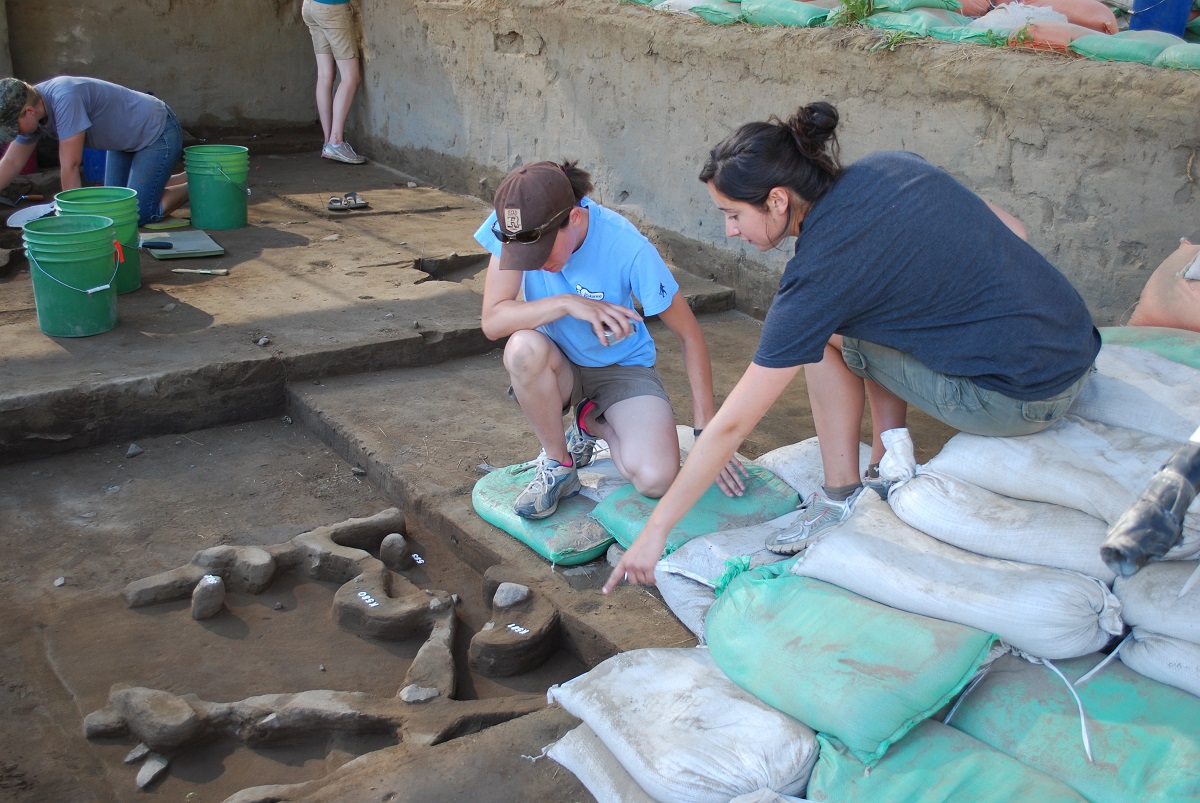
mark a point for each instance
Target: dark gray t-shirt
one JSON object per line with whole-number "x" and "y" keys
{"x": 115, "y": 118}
{"x": 900, "y": 254}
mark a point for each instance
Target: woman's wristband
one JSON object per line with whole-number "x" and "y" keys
{"x": 697, "y": 430}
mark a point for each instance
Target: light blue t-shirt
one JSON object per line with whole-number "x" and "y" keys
{"x": 615, "y": 263}
{"x": 113, "y": 117}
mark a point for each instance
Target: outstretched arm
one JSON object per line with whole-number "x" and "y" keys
{"x": 13, "y": 160}
{"x": 680, "y": 319}
{"x": 754, "y": 394}
{"x": 1017, "y": 227}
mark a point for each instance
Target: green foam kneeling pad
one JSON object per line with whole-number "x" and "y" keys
{"x": 624, "y": 512}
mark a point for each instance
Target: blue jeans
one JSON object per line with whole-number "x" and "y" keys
{"x": 955, "y": 400}
{"x": 147, "y": 170}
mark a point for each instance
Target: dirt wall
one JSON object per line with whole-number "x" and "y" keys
{"x": 218, "y": 63}
{"x": 1099, "y": 160}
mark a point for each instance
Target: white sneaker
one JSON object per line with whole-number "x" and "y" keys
{"x": 342, "y": 152}
{"x": 820, "y": 514}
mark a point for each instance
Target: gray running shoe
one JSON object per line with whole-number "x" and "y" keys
{"x": 342, "y": 152}
{"x": 552, "y": 481}
{"x": 820, "y": 514}
{"x": 581, "y": 445}
{"x": 877, "y": 483}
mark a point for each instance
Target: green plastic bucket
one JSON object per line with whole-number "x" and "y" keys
{"x": 217, "y": 177}
{"x": 73, "y": 262}
{"x": 120, "y": 204}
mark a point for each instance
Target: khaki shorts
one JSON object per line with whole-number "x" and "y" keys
{"x": 613, "y": 383}
{"x": 332, "y": 28}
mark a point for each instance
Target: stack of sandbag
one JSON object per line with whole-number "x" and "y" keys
{"x": 688, "y": 577}
{"x": 1165, "y": 642}
{"x": 1039, "y": 610}
{"x": 668, "y": 725}
{"x": 1142, "y": 737}
{"x": 870, "y": 680}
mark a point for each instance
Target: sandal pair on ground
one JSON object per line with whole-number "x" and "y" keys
{"x": 343, "y": 203}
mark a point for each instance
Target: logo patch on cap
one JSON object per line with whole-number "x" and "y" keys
{"x": 512, "y": 220}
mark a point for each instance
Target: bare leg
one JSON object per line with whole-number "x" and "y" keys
{"x": 838, "y": 400}
{"x": 174, "y": 196}
{"x": 888, "y": 411}
{"x": 542, "y": 379}
{"x": 641, "y": 437}
{"x": 349, "y": 78}
{"x": 324, "y": 92}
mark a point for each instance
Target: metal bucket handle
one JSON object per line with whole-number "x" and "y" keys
{"x": 237, "y": 184}
{"x": 120, "y": 255}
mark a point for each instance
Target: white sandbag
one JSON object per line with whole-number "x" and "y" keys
{"x": 1079, "y": 464}
{"x": 799, "y": 464}
{"x": 767, "y": 796}
{"x": 1150, "y": 600}
{"x": 582, "y": 752}
{"x": 685, "y": 731}
{"x": 1045, "y": 612}
{"x": 1137, "y": 389}
{"x": 987, "y": 523}
{"x": 1173, "y": 661}
{"x": 686, "y": 577}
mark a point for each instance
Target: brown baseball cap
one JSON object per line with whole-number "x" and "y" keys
{"x": 531, "y": 203}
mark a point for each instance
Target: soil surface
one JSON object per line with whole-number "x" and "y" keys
{"x": 375, "y": 389}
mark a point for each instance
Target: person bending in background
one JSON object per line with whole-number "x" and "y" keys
{"x": 560, "y": 286}
{"x": 331, "y": 24}
{"x": 905, "y": 288}
{"x": 140, "y": 132}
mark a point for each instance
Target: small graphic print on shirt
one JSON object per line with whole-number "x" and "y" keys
{"x": 586, "y": 293}
{"x": 662, "y": 291}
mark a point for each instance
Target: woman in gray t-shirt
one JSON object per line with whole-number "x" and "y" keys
{"x": 141, "y": 134}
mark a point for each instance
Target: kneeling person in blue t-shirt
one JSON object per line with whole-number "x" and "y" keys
{"x": 560, "y": 286}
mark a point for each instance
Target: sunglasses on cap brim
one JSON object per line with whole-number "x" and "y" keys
{"x": 530, "y": 236}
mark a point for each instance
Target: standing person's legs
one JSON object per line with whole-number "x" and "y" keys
{"x": 326, "y": 70}
{"x": 349, "y": 77}
{"x": 336, "y": 46}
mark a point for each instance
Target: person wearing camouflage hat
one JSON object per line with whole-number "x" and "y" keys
{"x": 141, "y": 134}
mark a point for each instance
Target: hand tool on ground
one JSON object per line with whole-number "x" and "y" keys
{"x": 210, "y": 272}
{"x": 163, "y": 244}
{"x": 9, "y": 202}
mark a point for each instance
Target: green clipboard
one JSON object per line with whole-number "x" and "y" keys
{"x": 184, "y": 244}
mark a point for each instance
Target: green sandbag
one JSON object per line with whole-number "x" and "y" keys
{"x": 910, "y": 5}
{"x": 1144, "y": 735}
{"x": 919, "y": 21}
{"x": 792, "y": 13}
{"x": 965, "y": 34}
{"x": 624, "y": 512}
{"x": 1139, "y": 47}
{"x": 1178, "y": 345}
{"x": 933, "y": 763}
{"x": 1179, "y": 57}
{"x": 840, "y": 663}
{"x": 568, "y": 537}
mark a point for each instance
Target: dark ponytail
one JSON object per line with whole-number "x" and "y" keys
{"x": 801, "y": 155}
{"x": 581, "y": 180}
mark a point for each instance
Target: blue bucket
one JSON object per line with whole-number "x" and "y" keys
{"x": 1169, "y": 16}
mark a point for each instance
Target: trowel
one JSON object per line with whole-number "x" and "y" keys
{"x": 19, "y": 218}
{"x": 9, "y": 202}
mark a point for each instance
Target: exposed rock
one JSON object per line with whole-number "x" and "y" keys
{"x": 509, "y": 594}
{"x": 394, "y": 552}
{"x": 162, "y": 720}
{"x": 417, "y": 694}
{"x": 208, "y": 598}
{"x": 150, "y": 772}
